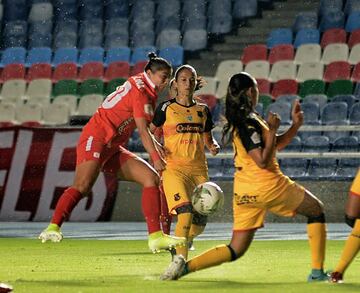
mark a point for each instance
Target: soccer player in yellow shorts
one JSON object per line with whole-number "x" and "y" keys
{"x": 186, "y": 126}
{"x": 259, "y": 184}
{"x": 352, "y": 244}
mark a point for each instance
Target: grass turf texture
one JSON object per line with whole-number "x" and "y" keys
{"x": 128, "y": 266}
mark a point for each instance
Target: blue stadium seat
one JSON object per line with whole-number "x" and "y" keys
{"x": 141, "y": 25}
{"x": 65, "y": 10}
{"x": 353, "y": 21}
{"x": 295, "y": 168}
{"x": 168, "y": 23}
{"x": 219, "y": 9}
{"x": 279, "y": 36}
{"x": 229, "y": 169}
{"x": 219, "y": 24}
{"x": 194, "y": 40}
{"x": 36, "y": 40}
{"x": 260, "y": 109}
{"x": 321, "y": 168}
{"x": 356, "y": 92}
{"x": 321, "y": 100}
{"x": 287, "y": 99}
{"x": 347, "y": 168}
{"x": 118, "y": 54}
{"x": 305, "y": 20}
{"x": 307, "y": 36}
{"x": 194, "y": 8}
{"x": 243, "y": 9}
{"x": 90, "y": 40}
{"x": 336, "y": 111}
{"x": 67, "y": 26}
{"x": 215, "y": 168}
{"x": 352, "y": 6}
{"x": 193, "y": 23}
{"x": 41, "y": 27}
{"x": 168, "y": 9}
{"x": 65, "y": 55}
{"x": 116, "y": 40}
{"x": 90, "y": 10}
{"x": 93, "y": 26}
{"x": 141, "y": 54}
{"x": 13, "y": 55}
{"x": 354, "y": 115}
{"x": 65, "y": 40}
{"x": 15, "y": 10}
{"x": 294, "y": 146}
{"x": 39, "y": 55}
{"x": 316, "y": 143}
{"x": 283, "y": 109}
{"x": 142, "y": 39}
{"x": 330, "y": 5}
{"x": 332, "y": 19}
{"x": 346, "y": 144}
{"x": 142, "y": 10}
{"x": 175, "y": 55}
{"x": 116, "y": 8}
{"x": 117, "y": 25}
{"x": 168, "y": 38}
{"x": 348, "y": 99}
{"x": 311, "y": 113}
{"x": 15, "y": 34}
{"x": 91, "y": 54}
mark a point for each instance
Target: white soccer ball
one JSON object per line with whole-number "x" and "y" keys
{"x": 207, "y": 198}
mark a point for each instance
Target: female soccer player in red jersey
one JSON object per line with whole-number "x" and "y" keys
{"x": 100, "y": 148}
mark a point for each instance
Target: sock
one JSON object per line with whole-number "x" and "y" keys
{"x": 213, "y": 257}
{"x": 317, "y": 240}
{"x": 182, "y": 229}
{"x": 165, "y": 217}
{"x": 151, "y": 208}
{"x": 352, "y": 247}
{"x": 67, "y": 202}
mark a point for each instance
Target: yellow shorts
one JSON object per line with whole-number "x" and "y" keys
{"x": 179, "y": 185}
{"x": 355, "y": 186}
{"x": 251, "y": 201}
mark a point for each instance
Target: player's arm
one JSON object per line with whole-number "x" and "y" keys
{"x": 209, "y": 141}
{"x": 297, "y": 120}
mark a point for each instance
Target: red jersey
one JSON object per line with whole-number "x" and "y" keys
{"x": 114, "y": 121}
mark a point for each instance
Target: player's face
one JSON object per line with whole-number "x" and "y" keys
{"x": 254, "y": 95}
{"x": 160, "y": 78}
{"x": 185, "y": 83}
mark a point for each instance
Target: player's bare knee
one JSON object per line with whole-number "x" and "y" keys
{"x": 83, "y": 186}
{"x": 152, "y": 180}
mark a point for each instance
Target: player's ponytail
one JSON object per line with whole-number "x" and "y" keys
{"x": 156, "y": 63}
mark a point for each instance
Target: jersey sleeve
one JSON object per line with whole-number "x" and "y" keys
{"x": 250, "y": 135}
{"x": 209, "y": 124}
{"x": 142, "y": 107}
{"x": 160, "y": 115}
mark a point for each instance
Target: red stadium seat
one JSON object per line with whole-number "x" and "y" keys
{"x": 354, "y": 38}
{"x": 254, "y": 52}
{"x": 39, "y": 70}
{"x": 284, "y": 87}
{"x": 264, "y": 86}
{"x": 91, "y": 70}
{"x": 138, "y": 67}
{"x": 31, "y": 124}
{"x": 65, "y": 71}
{"x": 334, "y": 35}
{"x": 119, "y": 69}
{"x": 337, "y": 70}
{"x": 13, "y": 71}
{"x": 280, "y": 53}
{"x": 6, "y": 124}
{"x": 209, "y": 100}
{"x": 356, "y": 73}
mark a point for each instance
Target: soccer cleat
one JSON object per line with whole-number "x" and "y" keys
{"x": 191, "y": 246}
{"x": 317, "y": 275}
{"x": 175, "y": 269}
{"x": 159, "y": 242}
{"x": 51, "y": 233}
{"x": 336, "y": 277}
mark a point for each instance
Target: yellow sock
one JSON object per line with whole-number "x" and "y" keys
{"x": 210, "y": 258}
{"x": 182, "y": 230}
{"x": 352, "y": 247}
{"x": 195, "y": 230}
{"x": 317, "y": 240}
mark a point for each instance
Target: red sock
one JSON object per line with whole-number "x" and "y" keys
{"x": 165, "y": 217}
{"x": 151, "y": 208}
{"x": 67, "y": 202}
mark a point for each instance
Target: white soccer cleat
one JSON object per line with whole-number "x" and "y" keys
{"x": 175, "y": 269}
{"x": 160, "y": 242}
{"x": 51, "y": 233}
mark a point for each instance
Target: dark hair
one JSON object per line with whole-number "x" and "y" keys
{"x": 238, "y": 103}
{"x": 183, "y": 67}
{"x": 156, "y": 63}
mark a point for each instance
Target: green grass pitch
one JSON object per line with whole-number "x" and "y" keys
{"x": 128, "y": 266}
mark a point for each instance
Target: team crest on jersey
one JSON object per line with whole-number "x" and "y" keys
{"x": 177, "y": 197}
{"x": 148, "y": 109}
{"x": 255, "y": 137}
{"x": 200, "y": 114}
{"x": 189, "y": 118}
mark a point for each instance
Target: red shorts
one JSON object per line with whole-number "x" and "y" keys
{"x": 110, "y": 158}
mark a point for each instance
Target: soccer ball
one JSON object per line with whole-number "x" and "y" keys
{"x": 207, "y": 198}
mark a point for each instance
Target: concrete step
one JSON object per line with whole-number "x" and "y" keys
{"x": 207, "y": 69}
{"x": 272, "y": 23}
{"x": 249, "y": 32}
{"x": 241, "y": 39}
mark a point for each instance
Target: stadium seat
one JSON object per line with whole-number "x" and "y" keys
{"x": 39, "y": 55}
{"x": 113, "y": 84}
{"x": 312, "y": 87}
{"x": 66, "y": 25}
{"x": 40, "y": 28}
{"x": 91, "y": 70}
{"x": 295, "y": 168}
{"x": 13, "y": 55}
{"x": 172, "y": 23}
{"x": 116, "y": 70}
{"x": 116, "y": 8}
{"x": 265, "y": 100}
{"x": 307, "y": 36}
{"x": 175, "y": 55}
{"x": 340, "y": 87}
{"x": 321, "y": 100}
{"x": 357, "y": 91}
{"x": 141, "y": 54}
{"x": 308, "y": 53}
{"x": 91, "y": 54}
{"x": 281, "y": 53}
{"x": 256, "y": 52}
{"x": 209, "y": 100}
{"x": 65, "y": 87}
{"x": 219, "y": 25}
{"x": 332, "y": 36}
{"x": 258, "y": 69}
{"x": 354, "y": 57}
{"x": 260, "y": 109}
{"x": 244, "y": 9}
{"x": 263, "y": 85}
{"x": 90, "y": 10}
{"x": 28, "y": 113}
{"x": 354, "y": 38}
{"x": 279, "y": 36}
{"x": 316, "y": 143}
{"x": 284, "y": 87}
{"x": 283, "y": 70}
{"x": 39, "y": 70}
{"x": 90, "y": 40}
{"x": 91, "y": 87}
{"x": 65, "y": 40}
{"x": 353, "y": 22}
{"x": 287, "y": 99}
{"x": 351, "y": 6}
{"x": 69, "y": 100}
{"x": 294, "y": 146}
{"x": 89, "y": 103}
{"x": 335, "y": 111}
{"x": 13, "y": 71}
{"x": 40, "y": 12}
{"x": 168, "y": 37}
{"x": 347, "y": 168}
{"x": 194, "y": 40}
{"x": 332, "y": 19}
{"x": 7, "y": 114}
{"x": 35, "y": 41}
{"x": 56, "y": 114}
{"x": 117, "y": 54}
{"x": 65, "y": 55}
{"x": 15, "y": 10}
{"x": 305, "y": 20}
{"x": 310, "y": 70}
{"x": 13, "y": 91}
{"x": 354, "y": 115}
{"x": 65, "y": 71}
{"x": 355, "y": 76}
{"x": 116, "y": 40}
{"x": 321, "y": 168}
{"x": 142, "y": 39}
{"x": 39, "y": 88}
{"x": 15, "y": 34}
{"x": 65, "y": 10}
{"x": 350, "y": 100}
{"x": 138, "y": 67}
{"x": 311, "y": 112}
{"x": 335, "y": 52}
{"x": 337, "y": 70}
{"x": 193, "y": 23}
{"x": 209, "y": 88}
{"x": 330, "y": 5}
{"x": 224, "y": 71}
{"x": 283, "y": 109}
{"x": 346, "y": 144}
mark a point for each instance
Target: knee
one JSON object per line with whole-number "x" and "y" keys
{"x": 235, "y": 253}
{"x": 152, "y": 180}
{"x": 317, "y": 218}
{"x": 350, "y": 221}
{"x": 83, "y": 186}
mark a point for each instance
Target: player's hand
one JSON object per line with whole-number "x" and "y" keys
{"x": 159, "y": 165}
{"x": 273, "y": 121}
{"x": 214, "y": 149}
{"x": 200, "y": 82}
{"x": 296, "y": 114}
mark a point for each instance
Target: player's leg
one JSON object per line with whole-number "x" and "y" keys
{"x": 165, "y": 217}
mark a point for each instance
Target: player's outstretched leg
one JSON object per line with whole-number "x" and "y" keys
{"x": 158, "y": 241}
{"x": 51, "y": 233}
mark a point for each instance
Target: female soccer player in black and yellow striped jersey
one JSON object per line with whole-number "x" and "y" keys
{"x": 259, "y": 184}
{"x": 186, "y": 126}
{"x": 352, "y": 244}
